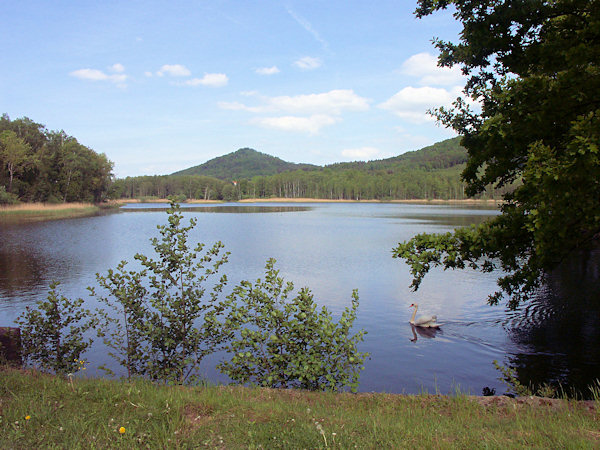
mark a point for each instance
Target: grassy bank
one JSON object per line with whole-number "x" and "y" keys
{"x": 33, "y": 212}
{"x": 43, "y": 411}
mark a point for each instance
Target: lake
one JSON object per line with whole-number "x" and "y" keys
{"x": 334, "y": 248}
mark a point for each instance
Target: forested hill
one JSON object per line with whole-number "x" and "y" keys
{"x": 247, "y": 163}
{"x": 441, "y": 155}
{"x": 433, "y": 172}
{"x": 244, "y": 164}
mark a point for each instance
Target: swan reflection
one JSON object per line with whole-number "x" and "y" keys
{"x": 428, "y": 333}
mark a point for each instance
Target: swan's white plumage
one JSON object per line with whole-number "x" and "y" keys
{"x": 423, "y": 321}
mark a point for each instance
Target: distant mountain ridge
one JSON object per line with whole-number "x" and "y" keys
{"x": 247, "y": 163}
{"x": 441, "y": 155}
{"x": 433, "y": 172}
{"x": 244, "y": 163}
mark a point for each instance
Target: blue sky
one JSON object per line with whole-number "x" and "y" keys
{"x": 162, "y": 86}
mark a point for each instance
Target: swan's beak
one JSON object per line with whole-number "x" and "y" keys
{"x": 412, "y": 304}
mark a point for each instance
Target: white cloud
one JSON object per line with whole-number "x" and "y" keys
{"x": 334, "y": 102}
{"x": 308, "y": 63}
{"x": 209, "y": 79}
{"x": 118, "y": 68}
{"x": 305, "y": 113}
{"x": 312, "y": 124}
{"x": 148, "y": 74}
{"x": 174, "y": 70}
{"x": 267, "y": 70}
{"x": 424, "y": 67}
{"x": 412, "y": 103}
{"x": 98, "y": 75}
{"x": 361, "y": 153}
{"x": 237, "y": 106}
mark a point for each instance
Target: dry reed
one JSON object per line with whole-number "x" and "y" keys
{"x": 45, "y": 206}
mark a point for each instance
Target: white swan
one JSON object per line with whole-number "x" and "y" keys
{"x": 423, "y": 321}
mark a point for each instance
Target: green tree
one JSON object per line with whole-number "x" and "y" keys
{"x": 54, "y": 334}
{"x": 534, "y": 72}
{"x": 14, "y": 152}
{"x": 165, "y": 325}
{"x": 288, "y": 343}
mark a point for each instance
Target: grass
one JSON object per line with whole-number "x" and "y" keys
{"x": 31, "y": 212}
{"x": 90, "y": 413}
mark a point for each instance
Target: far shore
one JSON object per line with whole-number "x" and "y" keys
{"x": 468, "y": 201}
{"x": 33, "y": 212}
{"x": 163, "y": 200}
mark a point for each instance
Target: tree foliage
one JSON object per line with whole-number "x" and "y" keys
{"x": 160, "y": 323}
{"x": 534, "y": 73}
{"x": 287, "y": 342}
{"x": 50, "y": 166}
{"x": 54, "y": 334}
{"x": 243, "y": 163}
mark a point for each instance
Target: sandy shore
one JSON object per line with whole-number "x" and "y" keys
{"x": 165, "y": 200}
{"x": 418, "y": 201}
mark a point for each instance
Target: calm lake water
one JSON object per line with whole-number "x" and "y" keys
{"x": 334, "y": 248}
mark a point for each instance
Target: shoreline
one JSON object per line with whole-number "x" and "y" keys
{"x": 468, "y": 201}
{"x": 164, "y": 200}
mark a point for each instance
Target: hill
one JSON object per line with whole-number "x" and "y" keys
{"x": 433, "y": 172}
{"x": 244, "y": 164}
{"x": 441, "y": 155}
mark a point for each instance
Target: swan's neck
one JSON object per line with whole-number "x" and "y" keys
{"x": 412, "y": 319}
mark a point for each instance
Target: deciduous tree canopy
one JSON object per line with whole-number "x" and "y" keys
{"x": 531, "y": 112}
{"x": 49, "y": 166}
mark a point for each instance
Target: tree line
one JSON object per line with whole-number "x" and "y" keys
{"x": 326, "y": 183}
{"x": 433, "y": 172}
{"x": 38, "y": 165}
{"x": 51, "y": 166}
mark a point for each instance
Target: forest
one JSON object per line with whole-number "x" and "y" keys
{"x": 433, "y": 172}
{"x": 38, "y": 165}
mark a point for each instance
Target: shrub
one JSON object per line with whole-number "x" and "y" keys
{"x": 53, "y": 334}
{"x": 164, "y": 326}
{"x": 283, "y": 342}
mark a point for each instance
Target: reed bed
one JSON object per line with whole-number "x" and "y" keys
{"x": 32, "y": 212}
{"x": 42, "y": 207}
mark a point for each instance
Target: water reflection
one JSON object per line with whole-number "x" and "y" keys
{"x": 427, "y": 333}
{"x": 558, "y": 332}
{"x": 20, "y": 270}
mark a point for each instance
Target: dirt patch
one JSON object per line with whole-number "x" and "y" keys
{"x": 552, "y": 404}
{"x": 198, "y": 415}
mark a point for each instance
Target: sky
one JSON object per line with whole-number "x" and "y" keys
{"x": 160, "y": 86}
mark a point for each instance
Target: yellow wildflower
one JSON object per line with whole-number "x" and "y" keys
{"x": 122, "y": 430}
{"x": 27, "y": 417}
